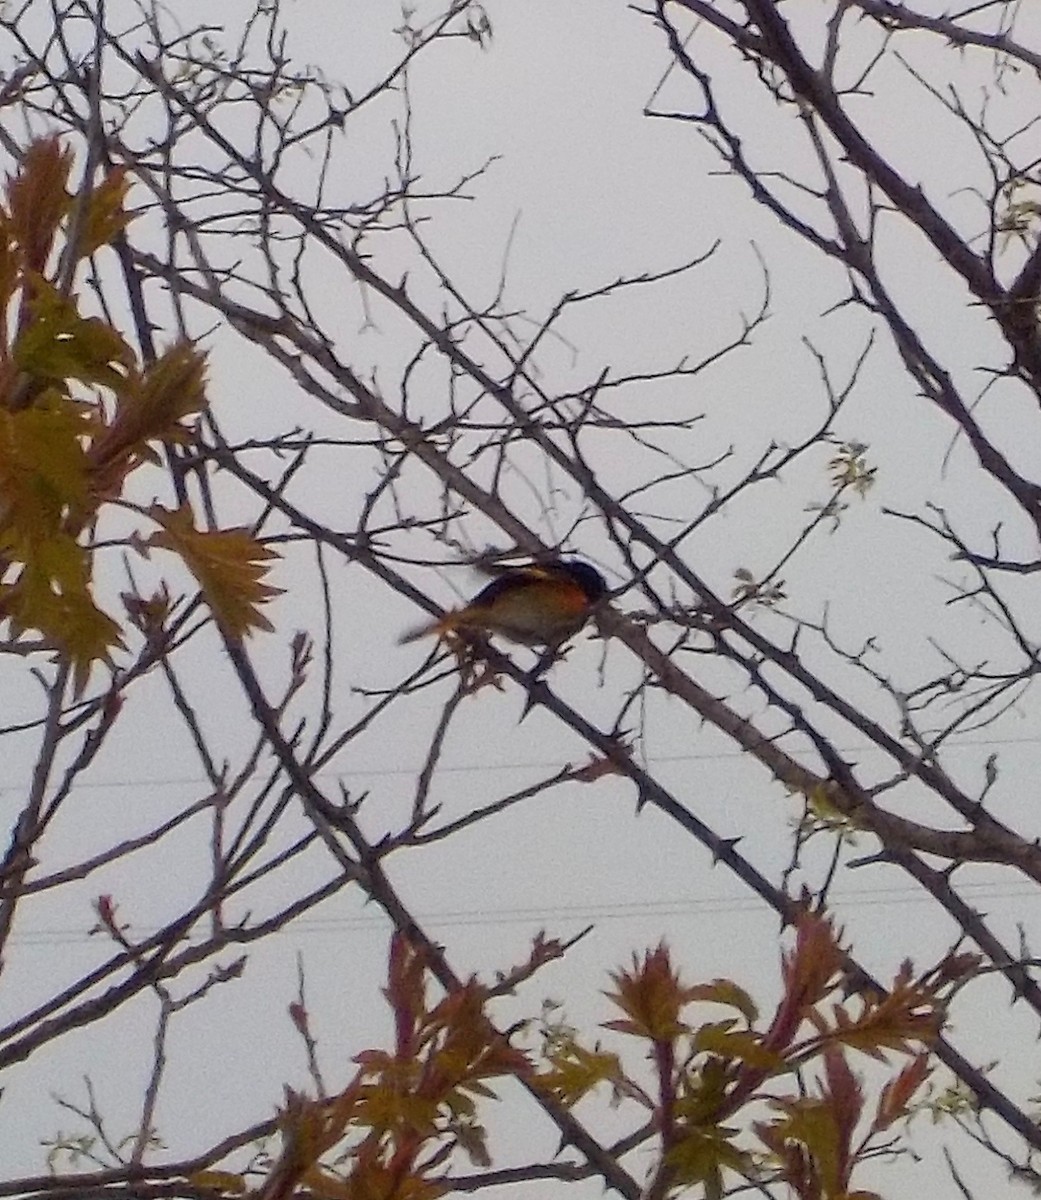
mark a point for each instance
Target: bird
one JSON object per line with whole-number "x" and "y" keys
{"x": 535, "y": 605}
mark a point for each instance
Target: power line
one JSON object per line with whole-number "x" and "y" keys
{"x": 584, "y": 913}
{"x": 518, "y": 765}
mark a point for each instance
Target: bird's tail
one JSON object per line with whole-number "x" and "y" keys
{"x": 427, "y": 629}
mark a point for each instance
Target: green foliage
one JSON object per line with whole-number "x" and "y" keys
{"x": 384, "y": 1136}
{"x": 56, "y": 343}
{"x": 229, "y": 565}
{"x": 79, "y": 413}
{"x": 849, "y": 468}
{"x": 738, "y": 1102}
{"x": 738, "y": 1096}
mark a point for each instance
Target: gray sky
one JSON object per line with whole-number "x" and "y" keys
{"x": 597, "y": 191}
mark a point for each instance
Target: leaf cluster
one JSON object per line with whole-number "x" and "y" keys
{"x": 79, "y": 413}
{"x": 407, "y": 1109}
{"x": 786, "y": 1079}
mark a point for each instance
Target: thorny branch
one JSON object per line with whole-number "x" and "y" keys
{"x": 248, "y": 238}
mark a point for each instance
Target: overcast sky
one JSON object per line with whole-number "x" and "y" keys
{"x": 595, "y": 191}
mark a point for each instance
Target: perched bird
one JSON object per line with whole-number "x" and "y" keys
{"x": 537, "y": 605}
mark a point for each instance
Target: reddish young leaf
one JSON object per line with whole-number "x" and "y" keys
{"x": 844, "y": 1096}
{"x": 150, "y": 407}
{"x": 897, "y": 1093}
{"x": 38, "y": 199}
{"x": 652, "y": 997}
{"x": 811, "y": 969}
{"x": 405, "y": 991}
{"x": 910, "y": 1015}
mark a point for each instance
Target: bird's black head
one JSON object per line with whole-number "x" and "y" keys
{"x": 588, "y": 579}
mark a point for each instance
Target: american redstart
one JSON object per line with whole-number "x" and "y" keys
{"x": 537, "y": 605}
